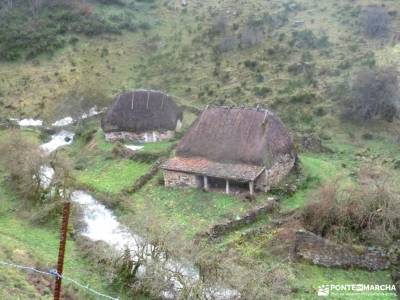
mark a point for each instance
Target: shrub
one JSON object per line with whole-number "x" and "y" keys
{"x": 261, "y": 91}
{"x": 22, "y": 35}
{"x": 251, "y": 36}
{"x": 251, "y": 64}
{"x": 375, "y": 22}
{"x": 369, "y": 212}
{"x": 307, "y": 39}
{"x": 303, "y": 97}
{"x": 374, "y": 95}
{"x": 23, "y": 161}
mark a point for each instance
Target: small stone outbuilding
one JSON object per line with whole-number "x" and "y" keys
{"x": 244, "y": 147}
{"x": 142, "y": 116}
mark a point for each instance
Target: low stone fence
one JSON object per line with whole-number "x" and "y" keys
{"x": 323, "y": 252}
{"x": 220, "y": 229}
{"x": 142, "y": 180}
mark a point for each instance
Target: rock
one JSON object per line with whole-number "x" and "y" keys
{"x": 67, "y": 139}
{"x": 320, "y": 251}
{"x": 312, "y": 143}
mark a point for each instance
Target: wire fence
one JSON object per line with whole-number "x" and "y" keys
{"x": 53, "y": 273}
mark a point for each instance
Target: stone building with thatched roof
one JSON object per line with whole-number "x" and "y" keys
{"x": 142, "y": 116}
{"x": 228, "y": 147}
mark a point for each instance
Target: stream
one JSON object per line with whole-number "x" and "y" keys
{"x": 102, "y": 224}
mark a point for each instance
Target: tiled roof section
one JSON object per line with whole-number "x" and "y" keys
{"x": 202, "y": 166}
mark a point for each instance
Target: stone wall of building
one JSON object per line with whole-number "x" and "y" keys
{"x": 275, "y": 174}
{"x": 145, "y": 137}
{"x": 172, "y": 179}
{"x": 320, "y": 251}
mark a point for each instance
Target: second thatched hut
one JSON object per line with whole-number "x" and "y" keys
{"x": 142, "y": 116}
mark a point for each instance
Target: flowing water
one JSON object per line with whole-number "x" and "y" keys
{"x": 134, "y": 147}
{"x": 28, "y": 122}
{"x": 102, "y": 225}
{"x": 58, "y": 140}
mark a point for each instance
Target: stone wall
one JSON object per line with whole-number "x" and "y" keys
{"x": 320, "y": 251}
{"x": 145, "y": 137}
{"x": 275, "y": 174}
{"x": 142, "y": 180}
{"x": 251, "y": 216}
{"x": 173, "y": 179}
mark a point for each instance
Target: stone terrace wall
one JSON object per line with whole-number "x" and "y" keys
{"x": 320, "y": 251}
{"x": 220, "y": 229}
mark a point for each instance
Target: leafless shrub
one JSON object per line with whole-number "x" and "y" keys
{"x": 228, "y": 43}
{"x": 23, "y": 160}
{"x": 219, "y": 24}
{"x": 375, "y": 22}
{"x": 169, "y": 272}
{"x": 374, "y": 95}
{"x": 251, "y": 36}
{"x": 369, "y": 211}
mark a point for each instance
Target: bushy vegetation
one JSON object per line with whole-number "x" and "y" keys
{"x": 50, "y": 27}
{"x": 375, "y": 94}
{"x": 375, "y": 22}
{"x": 307, "y": 39}
{"x": 369, "y": 212}
{"x": 23, "y": 163}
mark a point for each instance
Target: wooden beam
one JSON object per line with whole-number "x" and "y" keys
{"x": 251, "y": 187}
{"x": 227, "y": 186}
{"x": 205, "y": 183}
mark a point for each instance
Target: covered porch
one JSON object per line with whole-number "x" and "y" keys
{"x": 228, "y": 185}
{"x": 220, "y": 175}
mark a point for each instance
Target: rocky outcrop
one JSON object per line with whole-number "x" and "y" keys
{"x": 320, "y": 251}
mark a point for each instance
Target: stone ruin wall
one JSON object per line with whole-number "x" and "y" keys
{"x": 319, "y": 251}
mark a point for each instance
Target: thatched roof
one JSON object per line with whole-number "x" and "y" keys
{"x": 141, "y": 111}
{"x": 237, "y": 136}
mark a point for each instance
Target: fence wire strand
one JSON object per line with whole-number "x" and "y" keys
{"x": 55, "y": 274}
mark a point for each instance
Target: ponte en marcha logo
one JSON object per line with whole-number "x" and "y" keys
{"x": 356, "y": 289}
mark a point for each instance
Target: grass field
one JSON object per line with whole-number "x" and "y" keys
{"x": 25, "y": 244}
{"x": 190, "y": 210}
{"x": 111, "y": 176}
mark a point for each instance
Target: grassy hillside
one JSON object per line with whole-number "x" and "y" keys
{"x": 296, "y": 57}
{"x": 299, "y": 67}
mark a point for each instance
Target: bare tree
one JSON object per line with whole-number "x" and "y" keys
{"x": 375, "y": 94}
{"x": 251, "y": 36}
{"x": 375, "y": 22}
{"x": 219, "y": 24}
{"x": 23, "y": 161}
